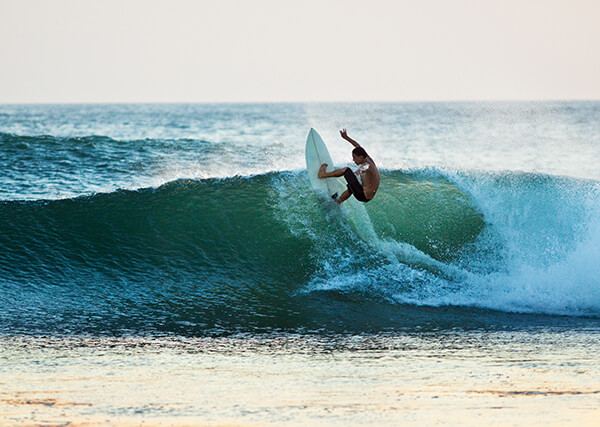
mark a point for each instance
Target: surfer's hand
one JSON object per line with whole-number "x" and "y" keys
{"x": 344, "y": 133}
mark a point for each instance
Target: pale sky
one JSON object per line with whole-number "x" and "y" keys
{"x": 302, "y": 50}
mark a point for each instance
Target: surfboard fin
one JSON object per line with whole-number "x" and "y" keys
{"x": 334, "y": 196}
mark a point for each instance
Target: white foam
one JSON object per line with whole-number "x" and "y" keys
{"x": 547, "y": 232}
{"x": 550, "y": 240}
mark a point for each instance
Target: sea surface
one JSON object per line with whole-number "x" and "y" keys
{"x": 170, "y": 264}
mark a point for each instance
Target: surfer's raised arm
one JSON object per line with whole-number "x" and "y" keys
{"x": 347, "y": 138}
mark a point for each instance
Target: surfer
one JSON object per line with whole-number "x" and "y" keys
{"x": 367, "y": 171}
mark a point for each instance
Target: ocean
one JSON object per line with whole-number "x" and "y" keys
{"x": 170, "y": 264}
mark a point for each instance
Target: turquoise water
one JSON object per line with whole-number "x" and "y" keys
{"x": 197, "y": 222}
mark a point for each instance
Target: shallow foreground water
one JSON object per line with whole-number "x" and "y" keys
{"x": 469, "y": 378}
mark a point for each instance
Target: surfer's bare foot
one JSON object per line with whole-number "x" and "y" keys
{"x": 322, "y": 170}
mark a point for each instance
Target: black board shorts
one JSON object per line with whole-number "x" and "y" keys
{"x": 354, "y": 186}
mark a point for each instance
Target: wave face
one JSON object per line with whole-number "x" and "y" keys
{"x": 244, "y": 254}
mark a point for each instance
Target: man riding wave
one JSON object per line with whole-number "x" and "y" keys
{"x": 367, "y": 171}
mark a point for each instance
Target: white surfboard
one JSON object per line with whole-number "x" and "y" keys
{"x": 355, "y": 213}
{"x": 316, "y": 155}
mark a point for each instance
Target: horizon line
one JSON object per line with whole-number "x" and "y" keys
{"x": 424, "y": 101}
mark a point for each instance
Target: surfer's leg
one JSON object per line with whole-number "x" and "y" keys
{"x": 332, "y": 174}
{"x": 345, "y": 195}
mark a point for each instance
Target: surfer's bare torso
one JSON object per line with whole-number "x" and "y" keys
{"x": 369, "y": 176}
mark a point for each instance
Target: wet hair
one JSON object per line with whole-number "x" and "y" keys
{"x": 359, "y": 151}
